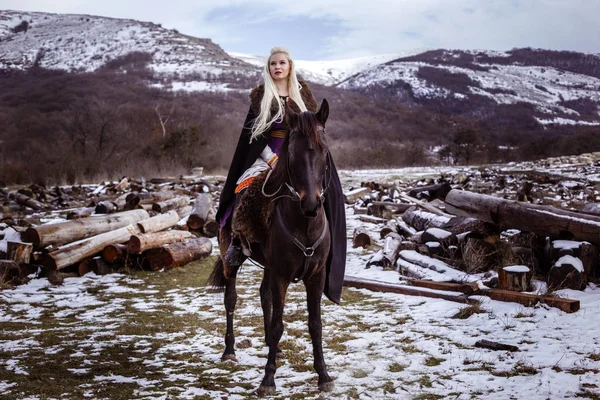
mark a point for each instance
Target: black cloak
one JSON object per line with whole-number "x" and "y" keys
{"x": 246, "y": 154}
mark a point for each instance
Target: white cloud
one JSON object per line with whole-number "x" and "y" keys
{"x": 373, "y": 26}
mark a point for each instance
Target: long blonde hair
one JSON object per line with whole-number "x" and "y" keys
{"x": 264, "y": 119}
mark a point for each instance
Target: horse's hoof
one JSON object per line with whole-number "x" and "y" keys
{"x": 326, "y": 386}
{"x": 265, "y": 390}
{"x": 228, "y": 357}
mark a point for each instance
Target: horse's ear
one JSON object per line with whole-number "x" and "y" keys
{"x": 290, "y": 116}
{"x": 323, "y": 112}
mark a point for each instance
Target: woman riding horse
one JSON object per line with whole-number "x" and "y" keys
{"x": 257, "y": 150}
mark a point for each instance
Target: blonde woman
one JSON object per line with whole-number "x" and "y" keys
{"x": 262, "y": 135}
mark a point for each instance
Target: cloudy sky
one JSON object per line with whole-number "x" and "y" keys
{"x": 333, "y": 29}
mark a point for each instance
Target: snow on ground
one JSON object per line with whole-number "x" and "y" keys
{"x": 377, "y": 345}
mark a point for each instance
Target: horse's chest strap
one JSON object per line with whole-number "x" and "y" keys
{"x": 308, "y": 251}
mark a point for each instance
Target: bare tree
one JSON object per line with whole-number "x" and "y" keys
{"x": 163, "y": 119}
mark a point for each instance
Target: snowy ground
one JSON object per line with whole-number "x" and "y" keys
{"x": 160, "y": 336}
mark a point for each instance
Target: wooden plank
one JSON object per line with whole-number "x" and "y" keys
{"x": 407, "y": 290}
{"x": 466, "y": 288}
{"x": 527, "y": 299}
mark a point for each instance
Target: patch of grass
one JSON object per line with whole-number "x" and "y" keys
{"x": 434, "y": 361}
{"x": 396, "y": 367}
{"x": 523, "y": 314}
{"x": 520, "y": 368}
{"x": 525, "y": 341}
{"x": 466, "y": 312}
{"x": 428, "y": 396}
{"x": 424, "y": 381}
{"x": 388, "y": 387}
{"x": 594, "y": 356}
{"x": 586, "y": 394}
{"x": 582, "y": 371}
{"x": 410, "y": 349}
{"x": 360, "y": 373}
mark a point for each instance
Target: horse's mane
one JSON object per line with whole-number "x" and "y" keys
{"x": 307, "y": 127}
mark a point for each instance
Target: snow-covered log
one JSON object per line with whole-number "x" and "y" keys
{"x": 567, "y": 272}
{"x": 540, "y": 219}
{"x": 351, "y": 196}
{"x": 421, "y": 220}
{"x": 516, "y": 278}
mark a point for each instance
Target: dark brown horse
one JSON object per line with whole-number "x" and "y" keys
{"x": 293, "y": 242}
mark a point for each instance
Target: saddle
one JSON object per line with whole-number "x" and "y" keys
{"x": 253, "y": 215}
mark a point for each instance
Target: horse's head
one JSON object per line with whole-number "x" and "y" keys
{"x": 306, "y": 157}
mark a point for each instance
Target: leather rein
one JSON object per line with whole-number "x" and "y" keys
{"x": 310, "y": 250}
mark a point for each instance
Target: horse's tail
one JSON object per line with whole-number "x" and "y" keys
{"x": 217, "y": 276}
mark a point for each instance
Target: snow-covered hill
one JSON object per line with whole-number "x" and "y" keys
{"x": 558, "y": 87}
{"x": 84, "y": 43}
{"x": 330, "y": 72}
{"x": 559, "y": 95}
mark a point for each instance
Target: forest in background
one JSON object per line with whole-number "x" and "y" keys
{"x": 62, "y": 128}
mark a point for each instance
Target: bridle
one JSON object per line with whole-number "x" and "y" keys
{"x": 308, "y": 251}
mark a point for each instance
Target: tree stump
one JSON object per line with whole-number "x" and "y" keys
{"x": 516, "y": 278}
{"x": 567, "y": 272}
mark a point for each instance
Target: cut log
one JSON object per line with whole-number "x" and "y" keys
{"x": 83, "y": 212}
{"x": 391, "y": 244}
{"x": 19, "y": 252}
{"x": 76, "y": 252}
{"x": 149, "y": 197}
{"x": 592, "y": 208}
{"x": 390, "y": 226}
{"x": 114, "y": 253}
{"x": 177, "y": 254}
{"x": 421, "y": 220}
{"x": 516, "y": 278}
{"x": 376, "y": 286}
{"x": 96, "y": 265}
{"x": 431, "y": 192}
{"x": 139, "y": 243}
{"x": 405, "y": 229}
{"x": 361, "y": 238}
{"x": 425, "y": 206}
{"x": 70, "y": 231}
{"x": 567, "y": 272}
{"x": 200, "y": 211}
{"x": 545, "y": 220}
{"x": 353, "y": 195}
{"x": 488, "y": 344}
{"x": 164, "y": 206}
{"x": 23, "y": 200}
{"x": 358, "y": 210}
{"x": 371, "y": 219}
{"x": 438, "y": 235}
{"x": 211, "y": 226}
{"x": 589, "y": 255}
{"x": 159, "y": 222}
{"x": 105, "y": 207}
{"x": 398, "y": 207}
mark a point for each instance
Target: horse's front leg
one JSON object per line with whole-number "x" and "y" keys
{"x": 266, "y": 301}
{"x": 278, "y": 291}
{"x": 315, "y": 285}
{"x": 230, "y": 300}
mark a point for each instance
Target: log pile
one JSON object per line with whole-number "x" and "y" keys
{"x": 104, "y": 227}
{"x": 446, "y": 235}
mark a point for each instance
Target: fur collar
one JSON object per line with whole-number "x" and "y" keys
{"x": 309, "y": 100}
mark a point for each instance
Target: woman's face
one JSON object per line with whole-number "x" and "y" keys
{"x": 279, "y": 67}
